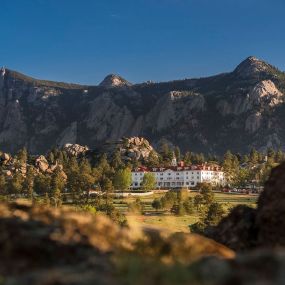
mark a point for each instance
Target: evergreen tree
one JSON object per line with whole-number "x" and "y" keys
{"x": 153, "y": 159}
{"x": 28, "y": 186}
{"x": 107, "y": 187}
{"x": 42, "y": 183}
{"x": 279, "y": 156}
{"x": 117, "y": 162}
{"x": 3, "y": 185}
{"x": 15, "y": 184}
{"x": 86, "y": 178}
{"x": 22, "y": 155}
{"x": 214, "y": 214}
{"x": 253, "y": 157}
{"x": 177, "y": 153}
{"x": 57, "y": 181}
{"x": 188, "y": 158}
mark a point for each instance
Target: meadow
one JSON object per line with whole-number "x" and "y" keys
{"x": 164, "y": 219}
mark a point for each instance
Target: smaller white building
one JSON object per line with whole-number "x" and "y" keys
{"x": 180, "y": 176}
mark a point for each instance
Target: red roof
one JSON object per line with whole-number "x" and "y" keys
{"x": 178, "y": 168}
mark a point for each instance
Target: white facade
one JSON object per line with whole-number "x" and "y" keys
{"x": 180, "y": 176}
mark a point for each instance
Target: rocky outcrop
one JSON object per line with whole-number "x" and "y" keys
{"x": 5, "y": 157}
{"x": 253, "y": 122}
{"x": 42, "y": 163}
{"x": 11, "y": 165}
{"x": 265, "y": 94}
{"x": 133, "y": 148}
{"x": 75, "y": 149}
{"x": 136, "y": 148}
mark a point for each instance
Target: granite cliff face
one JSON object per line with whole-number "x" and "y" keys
{"x": 198, "y": 114}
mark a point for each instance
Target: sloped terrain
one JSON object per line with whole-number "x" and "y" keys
{"x": 198, "y": 114}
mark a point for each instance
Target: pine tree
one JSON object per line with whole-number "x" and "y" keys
{"x": 253, "y": 156}
{"x": 177, "y": 153}
{"x": 15, "y": 185}
{"x": 3, "y": 185}
{"x": 22, "y": 155}
{"x": 117, "y": 162}
{"x": 188, "y": 158}
{"x": 28, "y": 186}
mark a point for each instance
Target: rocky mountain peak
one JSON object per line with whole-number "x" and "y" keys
{"x": 113, "y": 80}
{"x": 251, "y": 67}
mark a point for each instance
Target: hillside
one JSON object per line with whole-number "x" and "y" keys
{"x": 237, "y": 110}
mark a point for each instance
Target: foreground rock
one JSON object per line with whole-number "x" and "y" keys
{"x": 40, "y": 246}
{"x": 270, "y": 216}
{"x": 48, "y": 246}
{"x": 246, "y": 228}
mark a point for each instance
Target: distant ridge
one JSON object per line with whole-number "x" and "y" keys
{"x": 238, "y": 110}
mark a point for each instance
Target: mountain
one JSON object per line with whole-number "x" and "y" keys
{"x": 113, "y": 80}
{"x": 236, "y": 110}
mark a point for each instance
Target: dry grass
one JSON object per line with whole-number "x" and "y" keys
{"x": 169, "y": 222}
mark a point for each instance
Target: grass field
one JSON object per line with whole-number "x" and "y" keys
{"x": 169, "y": 222}
{"x": 177, "y": 223}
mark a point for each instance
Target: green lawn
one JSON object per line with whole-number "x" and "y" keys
{"x": 177, "y": 223}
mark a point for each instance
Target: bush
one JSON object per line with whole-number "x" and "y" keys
{"x": 89, "y": 208}
{"x": 156, "y": 204}
{"x": 136, "y": 207}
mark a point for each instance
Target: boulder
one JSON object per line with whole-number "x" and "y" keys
{"x": 79, "y": 248}
{"x": 75, "y": 149}
{"x": 5, "y": 157}
{"x": 138, "y": 148}
{"x": 270, "y": 218}
{"x": 42, "y": 163}
{"x": 245, "y": 228}
{"x": 237, "y": 230}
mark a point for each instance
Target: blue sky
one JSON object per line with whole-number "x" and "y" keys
{"x": 82, "y": 41}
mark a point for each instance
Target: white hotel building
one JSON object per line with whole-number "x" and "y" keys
{"x": 180, "y": 176}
